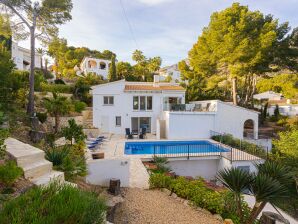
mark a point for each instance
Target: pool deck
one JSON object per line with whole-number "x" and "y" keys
{"x": 114, "y": 148}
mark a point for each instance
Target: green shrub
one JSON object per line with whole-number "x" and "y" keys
{"x": 54, "y": 204}
{"x": 59, "y": 81}
{"x": 79, "y": 106}
{"x": 56, "y": 155}
{"x": 158, "y": 180}
{"x": 3, "y": 135}
{"x": 242, "y": 145}
{"x": 60, "y": 88}
{"x": 9, "y": 173}
{"x": 68, "y": 159}
{"x": 42, "y": 117}
{"x": 161, "y": 163}
{"x": 196, "y": 191}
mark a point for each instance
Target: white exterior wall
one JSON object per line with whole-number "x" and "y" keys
{"x": 189, "y": 125}
{"x": 230, "y": 119}
{"x": 101, "y": 171}
{"x": 19, "y": 55}
{"x": 250, "y": 164}
{"x": 223, "y": 118}
{"x": 123, "y": 106}
{"x": 206, "y": 168}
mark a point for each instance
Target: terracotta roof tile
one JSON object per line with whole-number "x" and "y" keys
{"x": 153, "y": 87}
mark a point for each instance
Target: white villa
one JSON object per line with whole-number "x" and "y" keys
{"x": 22, "y": 57}
{"x": 96, "y": 66}
{"x": 269, "y": 95}
{"x": 170, "y": 71}
{"x": 161, "y": 109}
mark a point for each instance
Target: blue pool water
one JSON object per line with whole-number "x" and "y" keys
{"x": 172, "y": 147}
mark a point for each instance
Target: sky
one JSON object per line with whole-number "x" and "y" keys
{"x": 165, "y": 28}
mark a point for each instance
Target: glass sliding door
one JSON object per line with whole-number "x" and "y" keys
{"x": 141, "y": 122}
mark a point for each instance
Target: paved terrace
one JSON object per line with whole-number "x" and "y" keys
{"x": 114, "y": 148}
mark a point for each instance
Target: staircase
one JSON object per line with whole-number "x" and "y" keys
{"x": 36, "y": 168}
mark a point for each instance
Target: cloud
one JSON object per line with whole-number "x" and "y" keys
{"x": 154, "y": 2}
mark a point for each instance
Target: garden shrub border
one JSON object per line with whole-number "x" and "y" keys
{"x": 216, "y": 202}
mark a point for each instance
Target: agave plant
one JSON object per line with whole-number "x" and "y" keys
{"x": 56, "y": 155}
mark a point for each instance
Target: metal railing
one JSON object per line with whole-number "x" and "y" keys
{"x": 242, "y": 152}
{"x": 188, "y": 150}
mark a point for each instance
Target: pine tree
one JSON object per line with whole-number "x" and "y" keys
{"x": 112, "y": 70}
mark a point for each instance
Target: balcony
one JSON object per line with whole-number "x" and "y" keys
{"x": 204, "y": 106}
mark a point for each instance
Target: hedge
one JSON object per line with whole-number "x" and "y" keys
{"x": 56, "y": 88}
{"x": 221, "y": 202}
{"x": 242, "y": 145}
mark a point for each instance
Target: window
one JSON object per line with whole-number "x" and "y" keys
{"x": 118, "y": 121}
{"x": 135, "y": 102}
{"x": 142, "y": 103}
{"x": 149, "y": 102}
{"x": 108, "y": 100}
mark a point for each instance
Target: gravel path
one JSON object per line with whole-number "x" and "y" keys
{"x": 153, "y": 206}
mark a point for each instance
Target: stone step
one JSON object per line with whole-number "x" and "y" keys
{"x": 24, "y": 154}
{"x": 37, "y": 169}
{"x": 49, "y": 177}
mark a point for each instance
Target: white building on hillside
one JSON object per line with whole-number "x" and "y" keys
{"x": 170, "y": 71}
{"x": 22, "y": 57}
{"x": 269, "y": 95}
{"x": 160, "y": 107}
{"x": 96, "y": 66}
{"x": 119, "y": 105}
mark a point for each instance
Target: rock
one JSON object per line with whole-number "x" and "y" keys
{"x": 114, "y": 201}
{"x": 186, "y": 203}
{"x": 173, "y": 195}
{"x": 36, "y": 136}
{"x": 165, "y": 190}
{"x": 204, "y": 211}
{"x": 228, "y": 221}
{"x": 218, "y": 217}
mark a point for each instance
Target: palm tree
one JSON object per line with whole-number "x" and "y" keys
{"x": 56, "y": 107}
{"x": 268, "y": 185}
{"x": 237, "y": 181}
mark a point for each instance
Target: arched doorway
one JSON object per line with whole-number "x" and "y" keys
{"x": 248, "y": 129}
{"x": 102, "y": 65}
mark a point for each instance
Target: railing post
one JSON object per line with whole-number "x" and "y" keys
{"x": 188, "y": 152}
{"x": 231, "y": 154}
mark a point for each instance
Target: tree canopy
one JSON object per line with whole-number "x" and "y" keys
{"x": 239, "y": 44}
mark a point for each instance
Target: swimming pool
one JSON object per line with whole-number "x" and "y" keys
{"x": 173, "y": 147}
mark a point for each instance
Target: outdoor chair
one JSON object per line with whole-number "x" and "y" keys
{"x": 142, "y": 133}
{"x": 128, "y": 134}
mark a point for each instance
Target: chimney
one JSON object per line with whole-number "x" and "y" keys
{"x": 156, "y": 79}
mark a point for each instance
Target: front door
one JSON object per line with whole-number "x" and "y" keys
{"x": 105, "y": 124}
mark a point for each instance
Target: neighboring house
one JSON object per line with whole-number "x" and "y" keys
{"x": 160, "y": 107}
{"x": 273, "y": 99}
{"x": 284, "y": 109}
{"x": 268, "y": 96}
{"x": 22, "y": 57}
{"x": 94, "y": 65}
{"x": 170, "y": 71}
